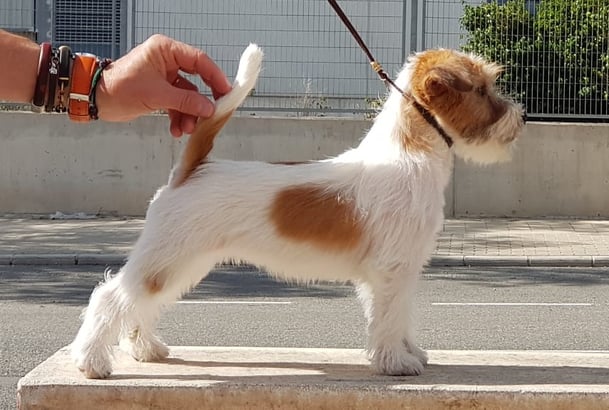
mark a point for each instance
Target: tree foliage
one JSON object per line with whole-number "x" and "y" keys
{"x": 556, "y": 59}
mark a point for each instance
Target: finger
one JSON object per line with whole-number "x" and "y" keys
{"x": 184, "y": 83}
{"x": 216, "y": 95}
{"x": 194, "y": 61}
{"x": 185, "y": 101}
{"x": 175, "y": 123}
{"x": 181, "y": 123}
{"x": 188, "y": 123}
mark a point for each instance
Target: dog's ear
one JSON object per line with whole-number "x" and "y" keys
{"x": 493, "y": 70}
{"x": 441, "y": 80}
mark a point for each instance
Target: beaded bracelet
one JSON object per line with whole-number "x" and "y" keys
{"x": 93, "y": 111}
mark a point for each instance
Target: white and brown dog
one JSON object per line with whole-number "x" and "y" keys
{"x": 370, "y": 215}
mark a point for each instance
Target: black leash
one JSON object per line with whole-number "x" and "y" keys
{"x": 385, "y": 78}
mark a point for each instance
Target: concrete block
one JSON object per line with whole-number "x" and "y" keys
{"x": 557, "y": 169}
{"x": 49, "y": 164}
{"x": 292, "y": 378}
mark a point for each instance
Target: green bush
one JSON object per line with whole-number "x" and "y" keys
{"x": 556, "y": 59}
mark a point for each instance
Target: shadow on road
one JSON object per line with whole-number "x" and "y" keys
{"x": 73, "y": 285}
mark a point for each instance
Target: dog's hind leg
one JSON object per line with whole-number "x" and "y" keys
{"x": 129, "y": 305}
{"x": 137, "y": 337}
{"x": 388, "y": 305}
{"x": 91, "y": 349}
{"x": 155, "y": 290}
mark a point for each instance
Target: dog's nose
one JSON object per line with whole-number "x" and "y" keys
{"x": 524, "y": 116}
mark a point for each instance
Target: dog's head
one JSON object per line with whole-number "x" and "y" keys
{"x": 459, "y": 90}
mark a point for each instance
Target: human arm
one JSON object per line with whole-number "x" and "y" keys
{"x": 18, "y": 67}
{"x": 144, "y": 80}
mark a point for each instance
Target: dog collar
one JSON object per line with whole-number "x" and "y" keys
{"x": 431, "y": 120}
{"x": 429, "y": 117}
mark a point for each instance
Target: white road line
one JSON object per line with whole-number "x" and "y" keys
{"x": 507, "y": 304}
{"x": 232, "y": 302}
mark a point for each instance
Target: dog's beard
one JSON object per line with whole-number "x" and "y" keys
{"x": 499, "y": 140}
{"x": 490, "y": 152}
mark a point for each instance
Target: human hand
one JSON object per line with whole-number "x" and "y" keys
{"x": 148, "y": 79}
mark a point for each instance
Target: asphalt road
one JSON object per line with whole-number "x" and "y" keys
{"x": 465, "y": 308}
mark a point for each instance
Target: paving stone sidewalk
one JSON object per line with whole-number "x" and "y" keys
{"x": 544, "y": 242}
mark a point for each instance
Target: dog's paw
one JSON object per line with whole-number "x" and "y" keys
{"x": 418, "y": 353}
{"x": 144, "y": 349}
{"x": 93, "y": 366}
{"x": 398, "y": 361}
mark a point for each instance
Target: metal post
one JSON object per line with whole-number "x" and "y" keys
{"x": 421, "y": 26}
{"x": 43, "y": 20}
{"x": 123, "y": 29}
{"x": 129, "y": 26}
{"x": 412, "y": 27}
{"x": 405, "y": 46}
{"x": 113, "y": 30}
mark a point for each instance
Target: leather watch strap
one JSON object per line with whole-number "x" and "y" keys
{"x": 84, "y": 68}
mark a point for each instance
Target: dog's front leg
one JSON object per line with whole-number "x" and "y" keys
{"x": 388, "y": 303}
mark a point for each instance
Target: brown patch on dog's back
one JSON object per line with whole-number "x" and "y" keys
{"x": 309, "y": 213}
{"x": 198, "y": 147}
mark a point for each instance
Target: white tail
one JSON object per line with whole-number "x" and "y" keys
{"x": 201, "y": 141}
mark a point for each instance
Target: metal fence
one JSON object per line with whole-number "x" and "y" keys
{"x": 556, "y": 52}
{"x": 18, "y": 16}
{"x": 311, "y": 63}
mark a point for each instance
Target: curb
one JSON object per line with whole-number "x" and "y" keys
{"x": 260, "y": 378}
{"x": 555, "y": 261}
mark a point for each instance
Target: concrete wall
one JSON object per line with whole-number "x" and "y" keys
{"x": 557, "y": 170}
{"x": 49, "y": 164}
